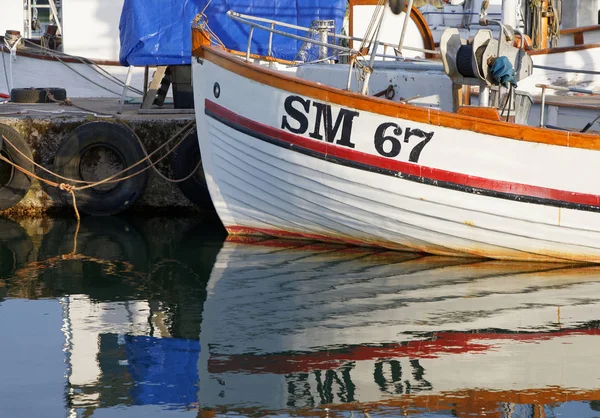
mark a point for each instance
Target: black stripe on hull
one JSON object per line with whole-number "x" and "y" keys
{"x": 391, "y": 173}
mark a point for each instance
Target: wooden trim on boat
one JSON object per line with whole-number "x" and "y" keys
{"x": 557, "y": 50}
{"x": 555, "y": 100}
{"x": 490, "y": 113}
{"x": 579, "y": 33}
{"x": 33, "y": 53}
{"x": 582, "y": 29}
{"x": 262, "y": 58}
{"x": 436, "y": 117}
{"x": 200, "y": 38}
{"x": 416, "y": 16}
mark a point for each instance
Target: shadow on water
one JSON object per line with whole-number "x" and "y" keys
{"x": 16, "y": 248}
{"x": 162, "y": 260}
{"x": 164, "y": 316}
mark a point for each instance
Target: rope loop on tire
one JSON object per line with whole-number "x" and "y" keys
{"x": 70, "y": 188}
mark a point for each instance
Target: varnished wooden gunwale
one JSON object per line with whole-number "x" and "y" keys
{"x": 32, "y": 53}
{"x": 581, "y": 29}
{"x": 562, "y": 49}
{"x": 408, "y": 112}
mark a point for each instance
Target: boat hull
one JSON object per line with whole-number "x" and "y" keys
{"x": 79, "y": 79}
{"x": 287, "y": 157}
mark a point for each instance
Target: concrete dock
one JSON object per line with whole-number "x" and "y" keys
{"x": 44, "y": 126}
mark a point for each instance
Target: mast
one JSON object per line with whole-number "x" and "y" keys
{"x": 509, "y": 13}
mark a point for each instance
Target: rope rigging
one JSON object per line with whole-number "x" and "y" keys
{"x": 98, "y": 69}
{"x": 554, "y": 15}
{"x": 554, "y": 12}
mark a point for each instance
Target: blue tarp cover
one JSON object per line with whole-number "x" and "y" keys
{"x": 158, "y": 32}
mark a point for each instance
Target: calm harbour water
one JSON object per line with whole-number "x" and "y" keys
{"x": 166, "y": 317}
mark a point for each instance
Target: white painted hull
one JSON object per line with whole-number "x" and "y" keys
{"x": 33, "y": 72}
{"x": 492, "y": 196}
{"x": 279, "y": 318}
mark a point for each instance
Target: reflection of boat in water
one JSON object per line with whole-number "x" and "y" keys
{"x": 293, "y": 325}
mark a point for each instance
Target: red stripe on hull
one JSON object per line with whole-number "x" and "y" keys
{"x": 378, "y": 162}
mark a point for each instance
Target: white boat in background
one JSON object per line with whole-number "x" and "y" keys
{"x": 78, "y": 50}
{"x": 81, "y": 77}
{"x": 420, "y": 172}
{"x": 301, "y": 326}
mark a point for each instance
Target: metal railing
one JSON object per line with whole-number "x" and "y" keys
{"x": 255, "y": 23}
{"x": 545, "y": 87}
{"x": 251, "y": 21}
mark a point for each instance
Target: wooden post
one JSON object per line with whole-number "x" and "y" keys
{"x": 544, "y": 28}
{"x": 153, "y": 88}
{"x": 457, "y": 96}
{"x": 467, "y": 96}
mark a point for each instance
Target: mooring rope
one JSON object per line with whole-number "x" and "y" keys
{"x": 68, "y": 102}
{"x": 98, "y": 69}
{"x": 554, "y": 23}
{"x": 536, "y": 21}
{"x": 68, "y": 184}
{"x": 156, "y": 170}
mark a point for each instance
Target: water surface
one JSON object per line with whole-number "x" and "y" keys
{"x": 165, "y": 317}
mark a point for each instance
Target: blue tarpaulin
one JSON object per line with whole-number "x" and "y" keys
{"x": 158, "y": 32}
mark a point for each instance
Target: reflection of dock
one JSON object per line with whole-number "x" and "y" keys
{"x": 122, "y": 312}
{"x": 293, "y": 326}
{"x": 89, "y": 327}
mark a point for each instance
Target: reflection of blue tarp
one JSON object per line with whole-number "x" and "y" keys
{"x": 165, "y": 370}
{"x": 158, "y": 32}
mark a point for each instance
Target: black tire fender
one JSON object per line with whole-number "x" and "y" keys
{"x": 37, "y": 95}
{"x": 185, "y": 158}
{"x": 56, "y": 93}
{"x": 14, "y": 185}
{"x": 123, "y": 143}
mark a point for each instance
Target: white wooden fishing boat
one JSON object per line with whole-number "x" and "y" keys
{"x": 306, "y": 326}
{"x": 321, "y": 157}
